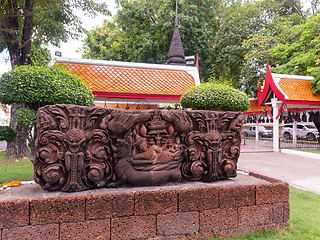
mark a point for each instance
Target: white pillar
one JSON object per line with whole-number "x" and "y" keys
{"x": 257, "y": 129}
{"x": 294, "y": 132}
{"x": 275, "y": 106}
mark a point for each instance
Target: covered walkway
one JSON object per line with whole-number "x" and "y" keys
{"x": 281, "y": 91}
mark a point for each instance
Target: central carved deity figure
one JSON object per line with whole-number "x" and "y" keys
{"x": 80, "y": 148}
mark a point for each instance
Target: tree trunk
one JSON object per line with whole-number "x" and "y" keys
{"x": 27, "y": 33}
{"x": 19, "y": 50}
{"x": 16, "y": 148}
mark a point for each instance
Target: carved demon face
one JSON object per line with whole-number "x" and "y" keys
{"x": 212, "y": 138}
{"x": 74, "y": 138}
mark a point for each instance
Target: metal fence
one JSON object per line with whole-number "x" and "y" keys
{"x": 288, "y": 144}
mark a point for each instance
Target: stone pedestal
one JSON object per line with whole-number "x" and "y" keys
{"x": 193, "y": 210}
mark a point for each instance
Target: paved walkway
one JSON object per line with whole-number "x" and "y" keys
{"x": 298, "y": 171}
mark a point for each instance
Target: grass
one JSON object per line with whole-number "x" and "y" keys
{"x": 15, "y": 169}
{"x": 304, "y": 222}
{"x": 310, "y": 151}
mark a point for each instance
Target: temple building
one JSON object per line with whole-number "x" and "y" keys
{"x": 282, "y": 91}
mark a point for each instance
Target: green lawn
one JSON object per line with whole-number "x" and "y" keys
{"x": 311, "y": 151}
{"x": 15, "y": 169}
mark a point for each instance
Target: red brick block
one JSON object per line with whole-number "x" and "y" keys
{"x": 237, "y": 196}
{"x": 269, "y": 179}
{"x": 198, "y": 199}
{"x": 133, "y": 227}
{"x": 189, "y": 236}
{"x": 100, "y": 206}
{"x": 177, "y": 223}
{"x": 92, "y": 229}
{"x": 272, "y": 193}
{"x": 277, "y": 212}
{"x": 14, "y": 213}
{"x": 156, "y": 202}
{"x": 40, "y": 232}
{"x": 57, "y": 210}
{"x": 269, "y": 226}
{"x": 227, "y": 233}
{"x": 253, "y": 216}
{"x": 286, "y": 212}
{"x": 213, "y": 221}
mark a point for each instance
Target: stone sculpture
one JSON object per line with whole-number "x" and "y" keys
{"x": 79, "y": 148}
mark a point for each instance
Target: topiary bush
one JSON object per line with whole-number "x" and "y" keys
{"x": 37, "y": 86}
{"x": 7, "y": 133}
{"x": 218, "y": 97}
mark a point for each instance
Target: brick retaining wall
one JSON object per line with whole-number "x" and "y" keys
{"x": 194, "y": 213}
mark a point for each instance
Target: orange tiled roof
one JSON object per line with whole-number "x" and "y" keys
{"x": 298, "y": 89}
{"x": 132, "y": 80}
{"x": 124, "y": 106}
{"x": 254, "y": 107}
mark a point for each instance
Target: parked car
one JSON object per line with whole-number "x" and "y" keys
{"x": 263, "y": 132}
{"x": 306, "y": 131}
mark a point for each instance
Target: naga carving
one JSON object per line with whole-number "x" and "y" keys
{"x": 79, "y": 148}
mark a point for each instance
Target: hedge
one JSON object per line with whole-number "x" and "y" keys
{"x": 218, "y": 97}
{"x": 37, "y": 86}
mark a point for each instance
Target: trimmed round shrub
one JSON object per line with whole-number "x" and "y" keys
{"x": 7, "y": 134}
{"x": 218, "y": 97}
{"x": 37, "y": 86}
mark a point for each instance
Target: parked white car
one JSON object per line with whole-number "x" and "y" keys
{"x": 306, "y": 131}
{"x": 263, "y": 132}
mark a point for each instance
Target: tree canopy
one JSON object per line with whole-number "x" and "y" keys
{"x": 299, "y": 54}
{"x": 142, "y": 31}
{"x": 32, "y": 23}
{"x": 233, "y": 38}
{"x": 50, "y": 21}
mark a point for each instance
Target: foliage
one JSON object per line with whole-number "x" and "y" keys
{"x": 50, "y": 21}
{"x": 37, "y": 86}
{"x": 7, "y": 133}
{"x": 242, "y": 43}
{"x": 300, "y": 56}
{"x": 26, "y": 117}
{"x": 142, "y": 31}
{"x": 24, "y": 22}
{"x": 209, "y": 96}
{"x": 216, "y": 30}
{"x": 40, "y": 55}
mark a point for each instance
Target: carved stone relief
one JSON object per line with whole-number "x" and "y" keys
{"x": 79, "y": 148}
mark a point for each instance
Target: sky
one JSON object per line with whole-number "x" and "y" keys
{"x": 70, "y": 48}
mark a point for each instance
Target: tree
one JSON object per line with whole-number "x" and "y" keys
{"x": 241, "y": 44}
{"x": 216, "y": 30}
{"x": 37, "y": 86}
{"x": 300, "y": 56}
{"x": 50, "y": 21}
{"x": 142, "y": 31}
